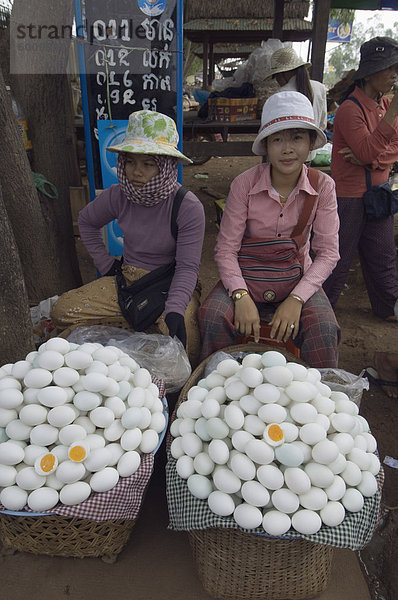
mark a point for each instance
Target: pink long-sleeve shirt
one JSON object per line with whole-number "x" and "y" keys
{"x": 148, "y": 241}
{"x": 253, "y": 209}
{"x": 370, "y": 137}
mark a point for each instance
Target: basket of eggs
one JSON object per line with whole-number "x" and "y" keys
{"x": 79, "y": 427}
{"x": 268, "y": 471}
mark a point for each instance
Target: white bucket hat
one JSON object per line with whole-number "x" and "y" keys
{"x": 286, "y": 110}
{"x": 151, "y": 132}
{"x": 286, "y": 59}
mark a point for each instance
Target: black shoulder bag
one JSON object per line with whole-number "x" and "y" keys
{"x": 379, "y": 201}
{"x": 144, "y": 300}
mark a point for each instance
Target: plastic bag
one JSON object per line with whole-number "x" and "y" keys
{"x": 163, "y": 356}
{"x": 41, "y": 320}
{"x": 342, "y": 381}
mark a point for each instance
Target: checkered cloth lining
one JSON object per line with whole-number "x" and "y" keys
{"x": 187, "y": 512}
{"x": 121, "y": 502}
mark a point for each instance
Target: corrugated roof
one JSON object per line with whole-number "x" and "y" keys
{"x": 245, "y": 25}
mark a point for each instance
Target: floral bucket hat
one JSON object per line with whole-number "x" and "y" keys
{"x": 150, "y": 132}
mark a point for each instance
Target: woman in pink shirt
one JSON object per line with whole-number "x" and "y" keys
{"x": 365, "y": 139}
{"x": 266, "y": 202}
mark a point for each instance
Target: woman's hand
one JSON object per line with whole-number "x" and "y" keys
{"x": 247, "y": 318}
{"x": 349, "y": 156}
{"x": 392, "y": 110}
{"x": 287, "y": 314}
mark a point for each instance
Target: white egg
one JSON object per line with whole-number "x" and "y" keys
{"x": 272, "y": 413}
{"x": 352, "y": 500}
{"x": 94, "y": 381}
{"x": 116, "y": 405}
{"x": 203, "y": 464}
{"x": 20, "y": 368}
{"x": 53, "y": 482}
{"x": 226, "y": 481}
{"x": 360, "y": 458}
{"x": 297, "y": 480}
{"x": 290, "y": 431}
{"x": 197, "y": 394}
{"x": 243, "y": 466}
{"x": 325, "y": 452}
{"x": 250, "y": 404}
{"x": 323, "y": 404}
{"x": 252, "y": 360}
{"x": 128, "y": 463}
{"x": 306, "y": 521}
{"x": 332, "y": 514}
{"x": 33, "y": 414}
{"x": 311, "y": 433}
{"x": 87, "y": 401}
{"x": 343, "y": 422}
{"x": 116, "y": 451}
{"x": 191, "y": 444}
{"x": 70, "y": 472}
{"x": 301, "y": 391}
{"x": 303, "y": 413}
{"x": 289, "y": 455}
{"x": 374, "y": 466}
{"x": 299, "y": 371}
{"x": 344, "y": 441}
{"x": 259, "y": 452}
{"x": 28, "y": 479}
{"x": 65, "y": 377}
{"x": 13, "y": 498}
{"x": 7, "y": 415}
{"x": 285, "y": 500}
{"x": 236, "y": 389}
{"x": 30, "y": 395}
{"x": 240, "y": 438}
{"x": 50, "y": 360}
{"x": 217, "y": 428}
{"x": 16, "y": 430}
{"x": 61, "y": 452}
{"x": 102, "y": 416}
{"x": 43, "y": 499}
{"x": 270, "y": 477}
{"x": 267, "y": 393}
{"x": 104, "y": 480}
{"x": 251, "y": 376}
{"x": 142, "y": 378}
{"x": 320, "y": 475}
{"x": 114, "y": 432}
{"x": 273, "y": 358}
{"x": 158, "y": 422}
{"x": 10, "y": 398}
{"x": 52, "y": 396}
{"x": 31, "y": 356}
{"x": 368, "y": 484}
{"x": 124, "y": 389}
{"x": 105, "y": 355}
{"x": 136, "y": 398}
{"x": 254, "y": 425}
{"x": 43, "y": 435}
{"x": 57, "y": 344}
{"x": 228, "y": 367}
{"x": 97, "y": 367}
{"x": 248, "y": 516}
{"x": 78, "y": 360}
{"x": 234, "y": 417}
{"x": 187, "y": 425}
{"x": 95, "y": 440}
{"x": 37, "y": 378}
{"x": 175, "y": 447}
{"x": 314, "y": 499}
{"x": 98, "y": 459}
{"x": 337, "y": 489}
{"x": 46, "y": 464}
{"x": 352, "y": 474}
{"x": 86, "y": 423}
{"x": 74, "y": 493}
{"x": 11, "y": 454}
{"x": 150, "y": 440}
{"x": 220, "y": 503}
{"x": 9, "y": 382}
{"x": 184, "y": 466}
{"x": 218, "y": 452}
{"x": 209, "y": 408}
{"x": 131, "y": 439}
{"x": 276, "y": 523}
{"x": 218, "y": 393}
{"x": 8, "y": 474}
{"x": 112, "y": 388}
{"x": 255, "y": 494}
{"x": 72, "y": 433}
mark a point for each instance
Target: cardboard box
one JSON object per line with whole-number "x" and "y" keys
{"x": 231, "y": 110}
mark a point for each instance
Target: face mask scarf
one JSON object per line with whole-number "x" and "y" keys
{"x": 157, "y": 189}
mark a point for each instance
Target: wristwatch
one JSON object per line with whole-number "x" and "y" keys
{"x": 239, "y": 295}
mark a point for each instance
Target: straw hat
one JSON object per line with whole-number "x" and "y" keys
{"x": 377, "y": 54}
{"x": 286, "y": 110}
{"x": 150, "y": 132}
{"x": 286, "y": 59}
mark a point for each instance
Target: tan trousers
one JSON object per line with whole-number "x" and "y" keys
{"x": 96, "y": 303}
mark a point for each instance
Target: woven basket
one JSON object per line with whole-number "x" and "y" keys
{"x": 234, "y": 565}
{"x": 61, "y": 536}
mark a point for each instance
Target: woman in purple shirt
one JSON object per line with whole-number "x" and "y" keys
{"x": 142, "y": 203}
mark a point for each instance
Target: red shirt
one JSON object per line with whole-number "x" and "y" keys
{"x": 370, "y": 137}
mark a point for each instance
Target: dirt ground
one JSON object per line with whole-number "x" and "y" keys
{"x": 362, "y": 335}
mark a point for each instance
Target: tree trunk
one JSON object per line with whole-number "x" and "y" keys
{"x": 23, "y": 208}
{"x": 16, "y": 337}
{"x": 46, "y": 103}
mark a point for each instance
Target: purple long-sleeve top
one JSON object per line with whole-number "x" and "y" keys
{"x": 148, "y": 241}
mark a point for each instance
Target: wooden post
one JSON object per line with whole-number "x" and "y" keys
{"x": 205, "y": 60}
{"x": 277, "y": 28}
{"x": 319, "y": 35}
{"x": 211, "y": 64}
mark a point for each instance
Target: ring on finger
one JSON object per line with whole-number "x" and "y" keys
{"x": 292, "y": 326}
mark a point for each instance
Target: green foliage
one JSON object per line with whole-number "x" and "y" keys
{"x": 342, "y": 14}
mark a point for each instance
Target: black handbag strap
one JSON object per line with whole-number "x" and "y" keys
{"x": 367, "y": 173}
{"x": 178, "y": 198}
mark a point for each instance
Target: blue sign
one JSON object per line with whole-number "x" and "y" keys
{"x": 338, "y": 31}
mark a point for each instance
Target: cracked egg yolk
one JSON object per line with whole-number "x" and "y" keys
{"x": 273, "y": 435}
{"x": 77, "y": 452}
{"x": 46, "y": 464}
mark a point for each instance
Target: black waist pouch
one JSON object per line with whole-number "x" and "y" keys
{"x": 144, "y": 300}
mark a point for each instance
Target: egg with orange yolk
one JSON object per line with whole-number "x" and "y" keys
{"x": 78, "y": 451}
{"x": 46, "y": 464}
{"x": 273, "y": 434}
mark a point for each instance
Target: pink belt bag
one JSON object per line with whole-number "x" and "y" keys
{"x": 272, "y": 268}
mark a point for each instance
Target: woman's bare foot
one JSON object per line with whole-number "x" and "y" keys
{"x": 386, "y": 365}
